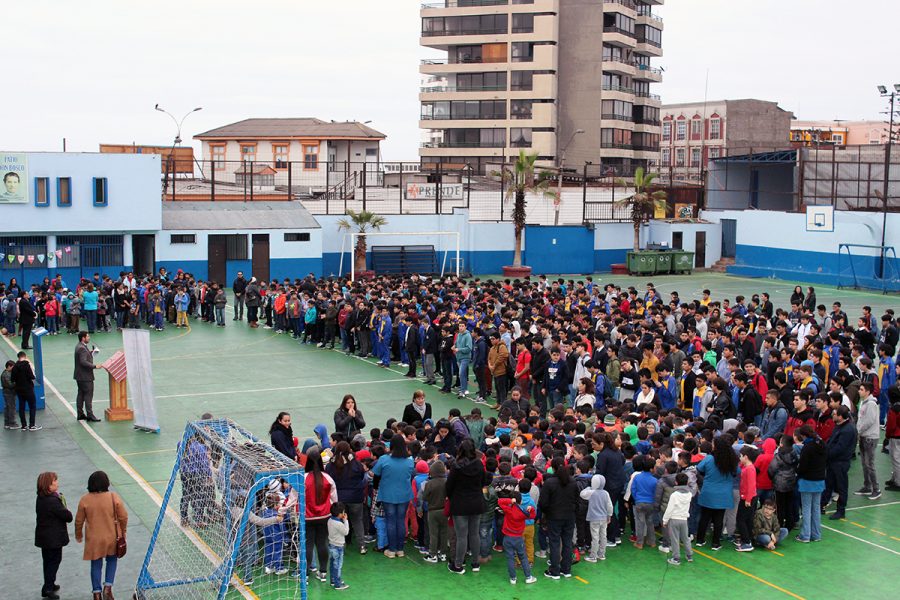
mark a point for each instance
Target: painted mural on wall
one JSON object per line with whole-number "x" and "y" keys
{"x": 14, "y": 169}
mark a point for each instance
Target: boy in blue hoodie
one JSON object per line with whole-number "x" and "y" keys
{"x": 528, "y": 500}
{"x": 643, "y": 491}
{"x": 599, "y": 515}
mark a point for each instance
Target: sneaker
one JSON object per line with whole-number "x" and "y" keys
{"x": 674, "y": 561}
{"x": 363, "y": 550}
{"x": 540, "y": 554}
{"x": 476, "y": 567}
{"x": 498, "y": 548}
{"x": 269, "y": 570}
{"x": 664, "y": 548}
{"x": 566, "y": 575}
{"x": 442, "y": 557}
{"x": 836, "y": 516}
{"x": 700, "y": 544}
{"x": 550, "y": 575}
{"x": 248, "y": 580}
{"x": 632, "y": 538}
{"x": 39, "y": 427}
{"x": 512, "y": 581}
{"x": 745, "y": 548}
{"x": 341, "y": 586}
{"x": 863, "y": 492}
{"x": 874, "y": 496}
{"x": 716, "y": 547}
{"x": 431, "y": 558}
{"x": 530, "y": 579}
{"x": 454, "y": 569}
{"x": 590, "y": 559}
{"x": 390, "y": 554}
{"x": 689, "y": 558}
{"x": 24, "y": 428}
{"x": 400, "y": 553}
{"x": 610, "y": 544}
{"x": 801, "y": 540}
{"x": 422, "y": 549}
{"x": 10, "y": 426}
{"x": 281, "y": 572}
{"x": 322, "y": 576}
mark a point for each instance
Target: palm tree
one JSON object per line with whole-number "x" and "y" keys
{"x": 520, "y": 181}
{"x": 361, "y": 222}
{"x": 643, "y": 202}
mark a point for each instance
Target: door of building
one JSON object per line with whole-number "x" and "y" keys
{"x": 729, "y": 238}
{"x": 215, "y": 258}
{"x": 143, "y": 253}
{"x": 260, "y": 266}
{"x": 677, "y": 240}
{"x": 700, "y": 250}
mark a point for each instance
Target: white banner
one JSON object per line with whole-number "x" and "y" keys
{"x": 140, "y": 378}
{"x": 428, "y": 191}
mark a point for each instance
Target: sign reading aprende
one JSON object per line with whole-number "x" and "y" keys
{"x": 428, "y": 191}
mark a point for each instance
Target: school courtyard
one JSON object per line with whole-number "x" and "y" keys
{"x": 251, "y": 375}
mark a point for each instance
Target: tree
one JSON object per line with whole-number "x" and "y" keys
{"x": 520, "y": 181}
{"x": 361, "y": 222}
{"x": 643, "y": 202}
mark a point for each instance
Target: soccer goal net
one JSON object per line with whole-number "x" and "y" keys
{"x": 228, "y": 526}
{"x": 868, "y": 266}
{"x": 446, "y": 247}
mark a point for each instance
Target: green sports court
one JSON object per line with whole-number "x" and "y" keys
{"x": 250, "y": 375}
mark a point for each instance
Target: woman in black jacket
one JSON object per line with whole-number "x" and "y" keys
{"x": 50, "y": 531}
{"x": 282, "y": 436}
{"x": 611, "y": 464}
{"x": 464, "y": 484}
{"x": 558, "y": 501}
{"x": 349, "y": 477}
{"x": 810, "y": 482}
{"x": 348, "y": 420}
{"x": 27, "y": 315}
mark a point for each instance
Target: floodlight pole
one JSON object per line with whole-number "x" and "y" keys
{"x": 887, "y": 174}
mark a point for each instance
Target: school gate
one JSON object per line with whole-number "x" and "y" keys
{"x": 563, "y": 249}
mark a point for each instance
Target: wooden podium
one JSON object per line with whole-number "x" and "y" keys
{"x": 118, "y": 389}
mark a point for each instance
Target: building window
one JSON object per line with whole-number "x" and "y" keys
{"x": 696, "y": 128}
{"x": 520, "y": 109}
{"x": 715, "y": 129}
{"x": 520, "y": 137}
{"x": 236, "y": 247}
{"x": 311, "y": 157}
{"x": 695, "y": 157}
{"x": 101, "y": 188}
{"x": 679, "y": 157}
{"x": 666, "y": 156}
{"x": 522, "y": 80}
{"x": 217, "y": 154}
{"x": 64, "y": 191}
{"x": 680, "y": 129}
{"x": 715, "y": 152}
{"x": 183, "y": 238}
{"x": 523, "y": 51}
{"x": 281, "y": 155}
{"x": 248, "y": 152}
{"x": 42, "y": 191}
{"x": 837, "y": 139}
{"x": 523, "y": 23}
{"x": 296, "y": 237}
{"x": 667, "y": 131}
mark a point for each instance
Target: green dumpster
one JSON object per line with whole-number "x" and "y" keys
{"x": 663, "y": 263}
{"x": 642, "y": 262}
{"x": 682, "y": 262}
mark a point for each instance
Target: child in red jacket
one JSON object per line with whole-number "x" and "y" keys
{"x": 514, "y": 517}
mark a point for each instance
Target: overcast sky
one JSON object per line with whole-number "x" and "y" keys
{"x": 91, "y": 70}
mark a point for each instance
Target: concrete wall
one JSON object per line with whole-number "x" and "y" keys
{"x": 661, "y": 232}
{"x": 776, "y": 244}
{"x": 580, "y": 79}
{"x": 134, "y": 201}
{"x": 757, "y": 124}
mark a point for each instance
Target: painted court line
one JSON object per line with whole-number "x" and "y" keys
{"x": 143, "y": 484}
{"x": 585, "y": 581}
{"x": 874, "y": 505}
{"x": 861, "y": 540}
{"x": 280, "y": 389}
{"x": 750, "y": 575}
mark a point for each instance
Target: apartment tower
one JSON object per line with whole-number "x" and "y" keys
{"x": 562, "y": 78}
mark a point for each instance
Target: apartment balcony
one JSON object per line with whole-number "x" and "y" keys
{"x": 648, "y": 47}
{"x": 626, "y": 7}
{"x": 619, "y": 37}
{"x": 482, "y": 7}
{"x": 647, "y": 98}
{"x": 443, "y": 66}
{"x": 463, "y": 145}
{"x": 647, "y": 126}
{"x": 648, "y": 73}
{"x": 649, "y": 19}
{"x": 463, "y": 4}
{"x": 614, "y": 121}
{"x": 618, "y": 65}
{"x": 618, "y": 92}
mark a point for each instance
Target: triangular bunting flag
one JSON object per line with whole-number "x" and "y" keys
{"x": 40, "y": 258}
{"x": 20, "y": 258}
{"x": 31, "y": 259}
{"x": 11, "y": 257}
{"x": 68, "y": 249}
{"x": 2, "y": 256}
{"x": 59, "y": 254}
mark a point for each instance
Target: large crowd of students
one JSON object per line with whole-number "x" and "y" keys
{"x": 612, "y": 410}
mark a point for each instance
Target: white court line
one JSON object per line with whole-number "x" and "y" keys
{"x": 280, "y": 389}
{"x": 874, "y": 505}
{"x": 144, "y": 485}
{"x": 860, "y": 539}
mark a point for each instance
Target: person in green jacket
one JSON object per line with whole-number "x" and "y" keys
{"x": 462, "y": 348}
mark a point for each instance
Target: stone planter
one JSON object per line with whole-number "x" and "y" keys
{"x": 516, "y": 272}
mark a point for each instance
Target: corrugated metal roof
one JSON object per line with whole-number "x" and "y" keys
{"x": 205, "y": 216}
{"x": 292, "y": 127}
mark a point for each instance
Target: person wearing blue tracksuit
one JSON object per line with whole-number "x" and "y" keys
{"x": 385, "y": 331}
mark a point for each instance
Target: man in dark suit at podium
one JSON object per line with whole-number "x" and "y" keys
{"x": 84, "y": 378}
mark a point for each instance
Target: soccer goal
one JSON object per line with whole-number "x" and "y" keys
{"x": 448, "y": 262}
{"x": 868, "y": 266}
{"x": 223, "y": 530}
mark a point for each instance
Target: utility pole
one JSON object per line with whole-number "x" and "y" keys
{"x": 562, "y": 163}
{"x": 887, "y": 171}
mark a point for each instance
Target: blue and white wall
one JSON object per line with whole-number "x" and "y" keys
{"x": 286, "y": 259}
{"x": 776, "y": 244}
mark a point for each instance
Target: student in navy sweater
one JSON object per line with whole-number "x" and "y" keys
{"x": 643, "y": 490}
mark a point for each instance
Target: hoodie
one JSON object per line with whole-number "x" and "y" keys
{"x": 321, "y": 432}
{"x": 515, "y": 516}
{"x": 600, "y": 507}
{"x": 679, "y": 506}
{"x": 867, "y": 421}
{"x": 763, "y": 481}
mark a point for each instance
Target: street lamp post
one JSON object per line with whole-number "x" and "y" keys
{"x": 562, "y": 163}
{"x": 177, "y": 142}
{"x": 887, "y": 169}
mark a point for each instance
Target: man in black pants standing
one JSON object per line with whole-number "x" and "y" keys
{"x": 239, "y": 286}
{"x": 84, "y": 378}
{"x": 23, "y": 379}
{"x": 838, "y": 451}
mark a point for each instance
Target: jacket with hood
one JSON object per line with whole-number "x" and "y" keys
{"x": 774, "y": 420}
{"x": 763, "y": 481}
{"x": 282, "y": 439}
{"x": 600, "y": 506}
{"x": 867, "y": 420}
{"x": 515, "y": 516}
{"x": 321, "y": 432}
{"x": 611, "y": 464}
{"x": 350, "y": 481}
{"x": 679, "y": 505}
{"x": 783, "y": 470}
{"x": 557, "y": 501}
{"x": 464, "y": 484}
{"x": 798, "y": 420}
{"x": 664, "y": 488}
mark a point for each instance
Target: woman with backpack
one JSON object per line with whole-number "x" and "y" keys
{"x": 782, "y": 472}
